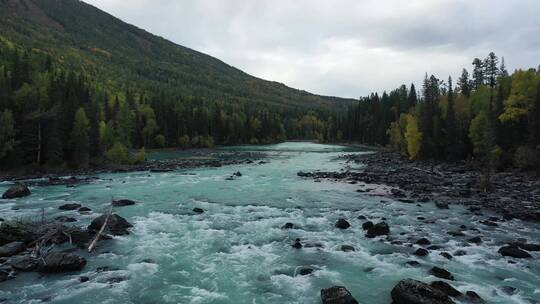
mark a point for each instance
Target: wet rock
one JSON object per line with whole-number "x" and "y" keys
{"x": 423, "y": 241}
{"x": 509, "y": 290}
{"x": 398, "y": 193}
{"x": 123, "y": 202}
{"x": 5, "y": 274}
{"x": 367, "y": 225}
{"x": 84, "y": 209}
{"x": 106, "y": 269}
{"x": 15, "y": 191}
{"x": 434, "y": 247}
{"x": 83, "y": 279}
{"x": 198, "y": 210}
{"x": 514, "y": 252}
{"x": 337, "y": 295}
{"x": 526, "y": 246}
{"x": 460, "y": 252}
{"x": 238, "y": 174}
{"x": 116, "y": 280}
{"x": 378, "y": 230}
{"x": 65, "y": 219}
{"x": 11, "y": 249}
{"x": 475, "y": 240}
{"x": 56, "y": 262}
{"x": 489, "y": 223}
{"x": 446, "y": 255}
{"x": 116, "y": 225}
{"x": 297, "y": 244}
{"x": 362, "y": 217}
{"x": 24, "y": 263}
{"x": 342, "y": 224}
{"x": 288, "y": 226}
{"x": 456, "y": 233}
{"x": 82, "y": 238}
{"x": 411, "y": 291}
{"x": 305, "y": 271}
{"x": 69, "y": 207}
{"x": 441, "y": 273}
{"x": 446, "y": 288}
{"x": 473, "y": 297}
{"x": 421, "y": 252}
{"x": 413, "y": 263}
{"x": 441, "y": 205}
{"x": 346, "y": 248}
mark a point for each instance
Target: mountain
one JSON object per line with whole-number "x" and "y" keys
{"x": 115, "y": 53}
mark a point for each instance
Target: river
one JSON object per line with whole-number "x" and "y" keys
{"x": 237, "y": 252}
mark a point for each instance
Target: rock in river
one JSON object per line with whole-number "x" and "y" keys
{"x": 410, "y": 291}
{"x": 342, "y": 224}
{"x": 378, "y": 230}
{"x": 61, "y": 262}
{"x": 337, "y": 295}
{"x": 17, "y": 190}
{"x": 446, "y": 288}
{"x": 123, "y": 202}
{"x": 441, "y": 273}
{"x": 71, "y": 206}
{"x": 116, "y": 225}
{"x": 11, "y": 249}
{"x": 513, "y": 251}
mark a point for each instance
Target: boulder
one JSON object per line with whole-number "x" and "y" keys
{"x": 421, "y": 252}
{"x": 411, "y": 291}
{"x": 412, "y": 263}
{"x": 15, "y": 191}
{"x": 337, "y": 295}
{"x": 123, "y": 202}
{"x": 526, "y": 246}
{"x": 288, "y": 226}
{"x": 57, "y": 262}
{"x": 441, "y": 205}
{"x": 514, "y": 252}
{"x": 367, "y": 225}
{"x": 84, "y": 209}
{"x": 346, "y": 248}
{"x": 446, "y": 288}
{"x": 11, "y": 249}
{"x": 446, "y": 255}
{"x": 342, "y": 224}
{"x": 473, "y": 297}
{"x": 71, "y": 206}
{"x": 475, "y": 240}
{"x": 116, "y": 225}
{"x": 441, "y": 273}
{"x": 5, "y": 274}
{"x": 378, "y": 230}
{"x": 297, "y": 244}
{"x": 24, "y": 263}
{"x": 65, "y": 219}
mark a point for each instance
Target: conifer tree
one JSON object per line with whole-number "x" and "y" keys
{"x": 80, "y": 139}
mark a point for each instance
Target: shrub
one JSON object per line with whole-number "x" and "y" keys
{"x": 118, "y": 154}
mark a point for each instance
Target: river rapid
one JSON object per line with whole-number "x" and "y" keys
{"x": 237, "y": 252}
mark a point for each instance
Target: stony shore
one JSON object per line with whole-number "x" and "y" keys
{"x": 515, "y": 194}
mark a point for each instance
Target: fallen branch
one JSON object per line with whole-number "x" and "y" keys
{"x": 94, "y": 242}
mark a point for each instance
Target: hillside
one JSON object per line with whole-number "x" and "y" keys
{"x": 115, "y": 53}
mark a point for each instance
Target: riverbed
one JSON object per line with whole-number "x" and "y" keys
{"x": 237, "y": 252}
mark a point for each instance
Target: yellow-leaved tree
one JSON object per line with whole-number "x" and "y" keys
{"x": 413, "y": 136}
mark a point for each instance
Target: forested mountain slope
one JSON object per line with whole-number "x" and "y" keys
{"x": 113, "y": 51}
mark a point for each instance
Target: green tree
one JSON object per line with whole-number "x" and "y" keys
{"x": 483, "y": 139}
{"x": 413, "y": 137}
{"x": 80, "y": 139}
{"x": 7, "y": 133}
{"x": 451, "y": 129}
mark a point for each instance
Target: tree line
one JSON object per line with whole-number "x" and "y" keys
{"x": 488, "y": 115}
{"x": 55, "y": 116}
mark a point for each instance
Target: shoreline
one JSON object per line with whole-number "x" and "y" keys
{"x": 515, "y": 195}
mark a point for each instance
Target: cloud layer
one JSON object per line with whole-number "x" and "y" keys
{"x": 345, "y": 48}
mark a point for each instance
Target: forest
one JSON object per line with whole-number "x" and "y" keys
{"x": 57, "y": 116}
{"x": 490, "y": 116}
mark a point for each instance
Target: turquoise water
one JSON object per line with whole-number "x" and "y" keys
{"x": 236, "y": 252}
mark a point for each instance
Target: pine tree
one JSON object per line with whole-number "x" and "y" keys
{"x": 478, "y": 73}
{"x": 452, "y": 132}
{"x": 80, "y": 139}
{"x": 7, "y": 133}
{"x": 412, "y": 98}
{"x": 491, "y": 70}
{"x": 464, "y": 83}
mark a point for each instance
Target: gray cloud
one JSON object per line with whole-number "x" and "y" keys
{"x": 346, "y": 47}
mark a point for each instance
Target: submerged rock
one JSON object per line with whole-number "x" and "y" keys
{"x": 337, "y": 295}
{"x": 411, "y": 291}
{"x": 305, "y": 271}
{"x": 346, "y": 248}
{"x": 15, "y": 191}
{"x": 423, "y": 241}
{"x": 421, "y": 252}
{"x": 288, "y": 226}
{"x": 297, "y": 244}
{"x": 11, "y": 249}
{"x": 61, "y": 262}
{"x": 378, "y": 230}
{"x": 342, "y": 224}
{"x": 116, "y": 224}
{"x": 71, "y": 206}
{"x": 123, "y": 202}
{"x": 514, "y": 252}
{"x": 367, "y": 225}
{"x": 198, "y": 210}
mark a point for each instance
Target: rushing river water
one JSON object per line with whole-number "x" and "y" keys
{"x": 236, "y": 251}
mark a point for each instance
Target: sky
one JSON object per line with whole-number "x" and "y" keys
{"x": 346, "y": 48}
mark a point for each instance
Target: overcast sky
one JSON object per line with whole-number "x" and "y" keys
{"x": 345, "y": 48}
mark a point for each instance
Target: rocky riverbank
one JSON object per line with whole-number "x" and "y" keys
{"x": 40, "y": 176}
{"x": 515, "y": 194}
